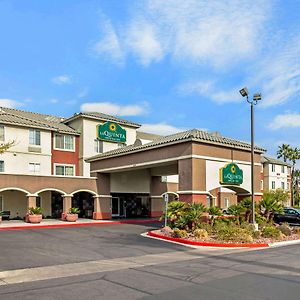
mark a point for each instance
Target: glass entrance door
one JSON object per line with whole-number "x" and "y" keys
{"x": 115, "y": 206}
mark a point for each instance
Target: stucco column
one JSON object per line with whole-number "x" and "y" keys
{"x": 192, "y": 180}
{"x": 157, "y": 188}
{"x": 102, "y": 207}
{"x": 102, "y": 202}
{"x": 67, "y": 204}
{"x": 31, "y": 201}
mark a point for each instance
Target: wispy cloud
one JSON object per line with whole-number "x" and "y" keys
{"x": 62, "y": 79}
{"x": 115, "y": 109}
{"x": 10, "y": 103}
{"x": 83, "y": 92}
{"x": 109, "y": 44}
{"x": 279, "y": 73}
{"x": 160, "y": 128}
{"x": 209, "y": 90}
{"x": 289, "y": 120}
{"x": 198, "y": 31}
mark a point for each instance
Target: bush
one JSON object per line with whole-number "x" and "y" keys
{"x": 74, "y": 210}
{"x": 179, "y": 233}
{"x": 207, "y": 227}
{"x": 200, "y": 233}
{"x": 296, "y": 230}
{"x": 285, "y": 229}
{"x": 35, "y": 211}
{"x": 234, "y": 234}
{"x": 271, "y": 232}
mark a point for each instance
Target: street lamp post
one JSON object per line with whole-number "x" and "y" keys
{"x": 256, "y": 97}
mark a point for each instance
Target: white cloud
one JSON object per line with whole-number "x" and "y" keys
{"x": 209, "y": 90}
{"x": 279, "y": 73}
{"x": 109, "y": 44}
{"x": 160, "y": 128}
{"x": 54, "y": 101}
{"x": 62, "y": 79}
{"x": 9, "y": 103}
{"x": 199, "y": 31}
{"x": 115, "y": 109}
{"x": 285, "y": 121}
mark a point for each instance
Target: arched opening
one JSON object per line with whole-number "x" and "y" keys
{"x": 172, "y": 196}
{"x": 84, "y": 200}
{"x": 227, "y": 195}
{"x": 13, "y": 203}
{"x": 51, "y": 202}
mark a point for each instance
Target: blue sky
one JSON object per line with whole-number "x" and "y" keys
{"x": 167, "y": 64}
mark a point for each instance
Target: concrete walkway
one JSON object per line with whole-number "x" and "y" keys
{"x": 52, "y": 223}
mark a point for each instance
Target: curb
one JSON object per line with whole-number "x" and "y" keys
{"x": 77, "y": 224}
{"x": 206, "y": 244}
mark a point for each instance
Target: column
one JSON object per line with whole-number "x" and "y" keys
{"x": 31, "y": 202}
{"x": 102, "y": 202}
{"x": 102, "y": 207}
{"x": 67, "y": 204}
{"x": 157, "y": 188}
{"x": 192, "y": 180}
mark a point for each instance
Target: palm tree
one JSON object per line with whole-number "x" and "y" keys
{"x": 284, "y": 151}
{"x": 270, "y": 205}
{"x": 294, "y": 155}
{"x": 296, "y": 186}
{"x": 5, "y": 146}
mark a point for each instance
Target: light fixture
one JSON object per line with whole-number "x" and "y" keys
{"x": 257, "y": 97}
{"x": 244, "y": 92}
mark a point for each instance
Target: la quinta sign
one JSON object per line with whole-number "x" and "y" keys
{"x": 231, "y": 174}
{"x": 111, "y": 132}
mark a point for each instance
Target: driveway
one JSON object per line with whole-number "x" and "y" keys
{"x": 115, "y": 262}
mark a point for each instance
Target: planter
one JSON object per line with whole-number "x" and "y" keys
{"x": 35, "y": 218}
{"x": 72, "y": 217}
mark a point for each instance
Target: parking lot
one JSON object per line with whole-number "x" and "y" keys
{"x": 116, "y": 262}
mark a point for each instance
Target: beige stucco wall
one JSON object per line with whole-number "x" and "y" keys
{"x": 17, "y": 158}
{"x": 15, "y": 202}
{"x": 131, "y": 182}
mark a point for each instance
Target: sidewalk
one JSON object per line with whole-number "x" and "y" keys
{"x": 55, "y": 223}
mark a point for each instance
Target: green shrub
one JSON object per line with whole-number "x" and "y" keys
{"x": 35, "y": 211}
{"x": 179, "y": 233}
{"x": 285, "y": 229}
{"x": 74, "y": 210}
{"x": 233, "y": 234}
{"x": 207, "y": 227}
{"x": 271, "y": 232}
{"x": 200, "y": 233}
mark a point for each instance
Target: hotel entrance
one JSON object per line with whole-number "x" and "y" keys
{"x": 130, "y": 205}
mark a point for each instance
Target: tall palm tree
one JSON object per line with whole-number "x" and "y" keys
{"x": 293, "y": 156}
{"x": 284, "y": 151}
{"x": 297, "y": 182}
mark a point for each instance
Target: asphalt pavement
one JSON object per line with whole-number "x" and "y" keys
{"x": 116, "y": 262}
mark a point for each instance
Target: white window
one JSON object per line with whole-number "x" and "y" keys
{"x": 282, "y": 185}
{"x": 1, "y": 203}
{"x": 226, "y": 202}
{"x": 282, "y": 169}
{"x": 1, "y": 166}
{"x": 261, "y": 184}
{"x": 34, "y": 167}
{"x": 273, "y": 185}
{"x": 64, "y": 142}
{"x": 34, "y": 137}
{"x": 98, "y": 146}
{"x": 273, "y": 168}
{"x": 65, "y": 170}
{"x": 2, "y": 134}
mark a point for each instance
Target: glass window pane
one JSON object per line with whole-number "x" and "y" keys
{"x": 1, "y": 166}
{"x": 69, "y": 171}
{"x": 69, "y": 144}
{"x": 59, "y": 170}
{"x": 59, "y": 141}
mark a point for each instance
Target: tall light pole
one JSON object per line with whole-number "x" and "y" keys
{"x": 256, "y": 97}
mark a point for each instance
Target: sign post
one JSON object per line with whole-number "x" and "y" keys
{"x": 166, "y": 197}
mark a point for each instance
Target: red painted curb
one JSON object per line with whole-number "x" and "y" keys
{"x": 208, "y": 244}
{"x": 77, "y": 224}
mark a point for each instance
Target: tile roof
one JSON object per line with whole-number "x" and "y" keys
{"x": 103, "y": 117}
{"x": 190, "y": 135}
{"x": 275, "y": 161}
{"x": 147, "y": 136}
{"x": 34, "y": 120}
